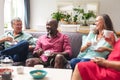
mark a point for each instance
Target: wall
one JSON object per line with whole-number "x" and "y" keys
{"x": 42, "y": 9}
{"x": 111, "y": 7}
{"x": 1, "y": 17}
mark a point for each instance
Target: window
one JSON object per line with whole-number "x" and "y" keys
{"x": 13, "y": 8}
{"x": 77, "y": 12}
{"x": 86, "y": 5}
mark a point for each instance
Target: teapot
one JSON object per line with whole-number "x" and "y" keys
{"x": 6, "y": 61}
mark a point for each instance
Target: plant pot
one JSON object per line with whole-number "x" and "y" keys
{"x": 85, "y": 23}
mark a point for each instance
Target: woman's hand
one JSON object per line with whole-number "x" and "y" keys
{"x": 85, "y": 47}
{"x": 88, "y": 44}
{"x": 111, "y": 39}
{"x": 102, "y": 49}
{"x": 108, "y": 64}
{"x": 100, "y": 61}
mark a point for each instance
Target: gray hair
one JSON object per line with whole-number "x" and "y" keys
{"x": 15, "y": 19}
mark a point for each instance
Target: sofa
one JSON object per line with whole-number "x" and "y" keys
{"x": 74, "y": 37}
{"x": 75, "y": 40}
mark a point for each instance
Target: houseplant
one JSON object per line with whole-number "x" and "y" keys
{"x": 57, "y": 15}
{"x": 67, "y": 18}
{"x": 75, "y": 19}
{"x": 85, "y": 15}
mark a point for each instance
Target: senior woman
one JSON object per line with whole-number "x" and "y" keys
{"x": 94, "y": 45}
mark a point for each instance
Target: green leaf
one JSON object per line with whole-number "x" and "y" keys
{"x": 57, "y": 15}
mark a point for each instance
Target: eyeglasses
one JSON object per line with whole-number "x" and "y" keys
{"x": 17, "y": 24}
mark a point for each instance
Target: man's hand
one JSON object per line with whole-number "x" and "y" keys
{"x": 31, "y": 48}
{"x": 10, "y": 39}
{"x": 38, "y": 53}
{"x": 32, "y": 61}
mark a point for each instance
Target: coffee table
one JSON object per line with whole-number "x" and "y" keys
{"x": 53, "y": 74}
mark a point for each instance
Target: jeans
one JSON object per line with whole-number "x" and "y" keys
{"x": 74, "y": 61}
{"x": 18, "y": 52}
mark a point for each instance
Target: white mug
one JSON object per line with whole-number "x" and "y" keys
{"x": 47, "y": 53}
{"x": 20, "y": 69}
{"x": 107, "y": 33}
{"x": 92, "y": 27}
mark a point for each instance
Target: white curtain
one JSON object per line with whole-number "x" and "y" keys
{"x": 1, "y": 17}
{"x": 12, "y": 9}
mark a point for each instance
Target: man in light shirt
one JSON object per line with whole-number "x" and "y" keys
{"x": 17, "y": 43}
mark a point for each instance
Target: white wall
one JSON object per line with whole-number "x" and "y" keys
{"x": 42, "y": 9}
{"x": 1, "y": 17}
{"x": 112, "y": 7}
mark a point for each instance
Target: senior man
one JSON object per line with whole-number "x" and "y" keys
{"x": 16, "y": 42}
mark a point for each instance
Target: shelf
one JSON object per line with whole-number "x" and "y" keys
{"x": 69, "y": 28}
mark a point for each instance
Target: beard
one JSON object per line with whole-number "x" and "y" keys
{"x": 51, "y": 32}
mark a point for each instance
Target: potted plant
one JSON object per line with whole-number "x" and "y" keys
{"x": 58, "y": 15}
{"x": 85, "y": 15}
{"x": 67, "y": 18}
{"x": 75, "y": 19}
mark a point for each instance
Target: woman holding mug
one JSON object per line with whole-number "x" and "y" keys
{"x": 95, "y": 45}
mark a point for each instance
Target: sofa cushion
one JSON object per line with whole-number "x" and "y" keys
{"x": 75, "y": 41}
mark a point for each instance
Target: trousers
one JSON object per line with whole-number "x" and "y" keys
{"x": 74, "y": 61}
{"x": 17, "y": 52}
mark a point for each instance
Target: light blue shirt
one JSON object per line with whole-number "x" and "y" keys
{"x": 90, "y": 51}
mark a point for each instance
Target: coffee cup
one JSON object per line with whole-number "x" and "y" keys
{"x": 94, "y": 45}
{"x": 107, "y": 33}
{"x": 20, "y": 69}
{"x": 47, "y": 53}
{"x": 92, "y": 27}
